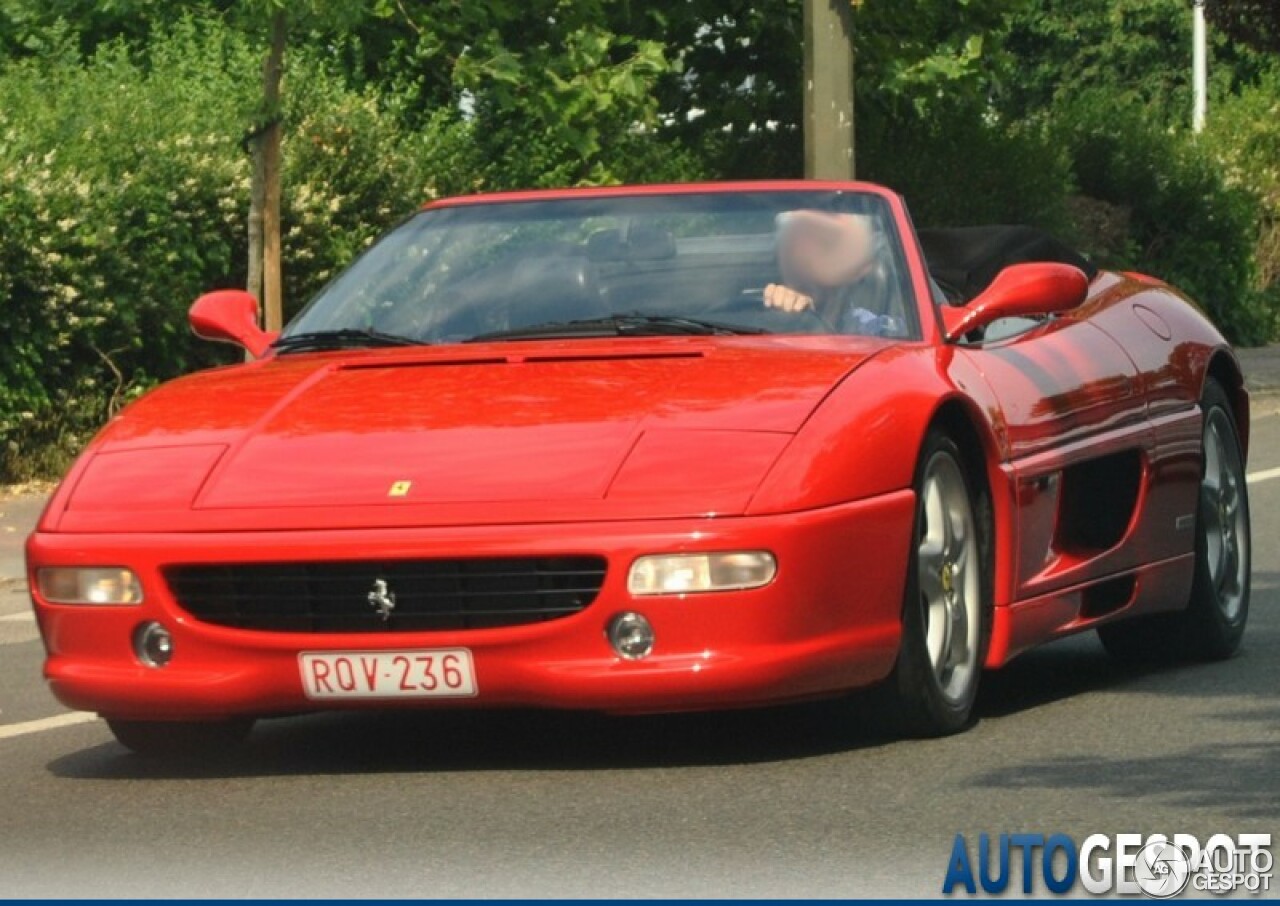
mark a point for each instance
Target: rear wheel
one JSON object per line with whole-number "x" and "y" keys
{"x": 180, "y": 739}
{"x": 1213, "y": 624}
{"x": 946, "y": 613}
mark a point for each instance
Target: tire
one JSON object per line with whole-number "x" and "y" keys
{"x": 1212, "y": 625}
{"x": 180, "y": 739}
{"x": 946, "y": 611}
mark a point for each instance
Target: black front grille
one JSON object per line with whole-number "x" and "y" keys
{"x": 429, "y": 594}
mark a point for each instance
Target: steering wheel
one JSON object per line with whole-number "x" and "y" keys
{"x": 751, "y": 301}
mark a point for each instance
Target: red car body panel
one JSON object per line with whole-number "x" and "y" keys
{"x": 765, "y": 648}
{"x": 579, "y": 431}
{"x": 803, "y": 446}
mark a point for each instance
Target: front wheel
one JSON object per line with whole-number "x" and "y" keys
{"x": 180, "y": 739}
{"x": 946, "y": 612}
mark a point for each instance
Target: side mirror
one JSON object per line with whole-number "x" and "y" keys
{"x": 1020, "y": 291}
{"x": 230, "y": 316}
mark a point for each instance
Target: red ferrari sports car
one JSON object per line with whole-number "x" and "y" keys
{"x": 654, "y": 449}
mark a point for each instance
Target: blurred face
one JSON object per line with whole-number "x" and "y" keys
{"x": 823, "y": 250}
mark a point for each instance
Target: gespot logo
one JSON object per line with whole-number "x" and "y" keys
{"x": 1161, "y": 870}
{"x": 1128, "y": 864}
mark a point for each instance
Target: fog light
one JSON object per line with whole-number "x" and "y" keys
{"x": 631, "y": 635}
{"x": 677, "y": 574}
{"x": 88, "y": 585}
{"x": 153, "y": 644}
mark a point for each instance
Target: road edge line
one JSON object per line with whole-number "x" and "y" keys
{"x": 1260, "y": 477}
{"x": 58, "y": 721}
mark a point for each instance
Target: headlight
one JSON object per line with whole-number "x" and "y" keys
{"x": 88, "y": 585}
{"x": 676, "y": 574}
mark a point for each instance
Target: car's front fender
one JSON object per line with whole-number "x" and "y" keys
{"x": 865, "y": 437}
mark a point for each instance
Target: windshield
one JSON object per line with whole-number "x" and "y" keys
{"x": 752, "y": 262}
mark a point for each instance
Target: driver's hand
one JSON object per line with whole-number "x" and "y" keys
{"x": 786, "y": 299}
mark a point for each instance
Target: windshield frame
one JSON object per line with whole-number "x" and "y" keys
{"x": 920, "y": 318}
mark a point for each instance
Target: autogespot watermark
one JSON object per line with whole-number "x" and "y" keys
{"x": 1125, "y": 864}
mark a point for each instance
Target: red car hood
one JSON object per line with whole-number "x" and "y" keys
{"x": 472, "y": 435}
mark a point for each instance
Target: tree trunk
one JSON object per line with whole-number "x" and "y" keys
{"x": 828, "y": 89}
{"x": 272, "y": 71}
{"x": 257, "y": 189}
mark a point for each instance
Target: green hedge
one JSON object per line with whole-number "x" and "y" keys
{"x": 1203, "y": 214}
{"x": 123, "y": 194}
{"x": 956, "y": 168}
{"x": 1186, "y": 222}
{"x": 1244, "y": 138}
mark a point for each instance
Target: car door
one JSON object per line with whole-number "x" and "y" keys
{"x": 1078, "y": 436}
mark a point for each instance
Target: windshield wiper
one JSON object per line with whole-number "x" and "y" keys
{"x": 632, "y": 325}
{"x": 342, "y": 338}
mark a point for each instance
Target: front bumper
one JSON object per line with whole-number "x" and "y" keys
{"x": 828, "y": 622}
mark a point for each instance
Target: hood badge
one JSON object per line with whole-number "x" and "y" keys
{"x": 382, "y": 599}
{"x": 400, "y": 489}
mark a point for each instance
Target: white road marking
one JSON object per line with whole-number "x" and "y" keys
{"x": 1264, "y": 475}
{"x": 19, "y": 617}
{"x": 70, "y": 719}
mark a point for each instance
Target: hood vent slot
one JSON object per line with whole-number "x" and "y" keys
{"x": 520, "y": 359}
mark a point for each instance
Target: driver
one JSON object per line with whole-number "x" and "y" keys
{"x": 832, "y": 265}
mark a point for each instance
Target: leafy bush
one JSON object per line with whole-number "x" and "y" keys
{"x": 1244, "y": 136}
{"x": 351, "y": 169}
{"x": 956, "y": 168}
{"x": 124, "y": 190}
{"x": 1186, "y": 223}
{"x": 580, "y": 110}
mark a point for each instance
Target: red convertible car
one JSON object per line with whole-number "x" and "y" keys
{"x": 654, "y": 449}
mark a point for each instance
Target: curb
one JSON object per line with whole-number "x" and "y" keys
{"x": 1261, "y": 365}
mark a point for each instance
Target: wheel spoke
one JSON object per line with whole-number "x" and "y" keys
{"x": 1230, "y": 496}
{"x": 1211, "y": 522}
{"x": 1212, "y": 460}
{"x": 931, "y": 581}
{"x": 1209, "y": 503}
{"x": 931, "y": 551}
{"x": 959, "y": 534}
{"x": 1225, "y": 476}
{"x": 936, "y": 632}
{"x": 958, "y": 637}
{"x": 933, "y": 536}
{"x": 1227, "y": 580}
{"x": 931, "y": 555}
{"x": 1214, "y": 550}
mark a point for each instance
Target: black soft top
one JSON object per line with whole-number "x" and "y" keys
{"x": 964, "y": 260}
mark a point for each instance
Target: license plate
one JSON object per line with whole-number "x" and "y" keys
{"x": 430, "y": 673}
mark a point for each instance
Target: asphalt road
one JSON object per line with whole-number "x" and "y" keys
{"x": 789, "y": 802}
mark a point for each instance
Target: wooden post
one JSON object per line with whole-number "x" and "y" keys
{"x": 1199, "y": 66}
{"x": 257, "y": 191}
{"x": 272, "y": 72}
{"x": 828, "y": 89}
